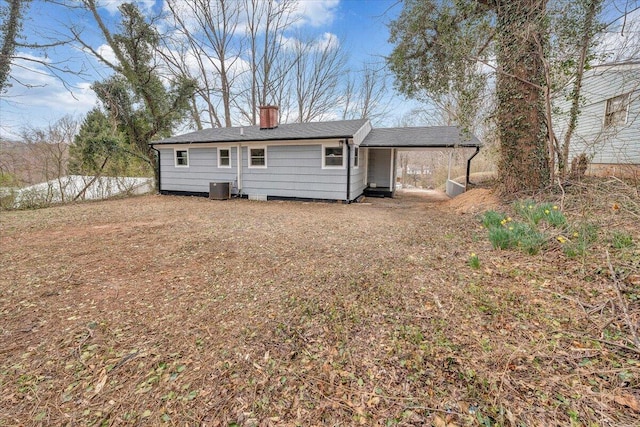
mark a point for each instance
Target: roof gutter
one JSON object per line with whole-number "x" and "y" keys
{"x": 466, "y": 184}
{"x": 248, "y": 140}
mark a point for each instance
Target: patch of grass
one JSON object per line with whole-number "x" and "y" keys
{"x": 583, "y": 236}
{"x": 621, "y": 240}
{"x": 491, "y": 219}
{"x": 474, "y": 261}
{"x": 517, "y": 234}
{"x": 500, "y": 238}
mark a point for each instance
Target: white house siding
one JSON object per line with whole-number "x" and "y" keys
{"x": 294, "y": 171}
{"x": 602, "y": 144}
{"x": 203, "y": 169}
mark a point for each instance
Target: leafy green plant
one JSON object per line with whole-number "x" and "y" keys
{"x": 500, "y": 238}
{"x": 474, "y": 261}
{"x": 533, "y": 242}
{"x": 492, "y": 219}
{"x": 529, "y": 234}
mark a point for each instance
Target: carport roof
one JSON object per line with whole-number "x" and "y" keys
{"x": 420, "y": 137}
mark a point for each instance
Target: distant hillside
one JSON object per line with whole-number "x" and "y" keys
{"x": 23, "y": 164}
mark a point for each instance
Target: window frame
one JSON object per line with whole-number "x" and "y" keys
{"x": 324, "y": 156}
{"x": 250, "y": 157}
{"x": 356, "y": 156}
{"x": 175, "y": 157}
{"x": 625, "y": 100}
{"x": 220, "y": 165}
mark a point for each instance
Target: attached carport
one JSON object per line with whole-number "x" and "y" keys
{"x": 382, "y": 150}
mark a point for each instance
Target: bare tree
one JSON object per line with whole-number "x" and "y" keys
{"x": 210, "y": 30}
{"x": 318, "y": 71}
{"x": 364, "y": 94}
{"x": 48, "y": 150}
{"x": 266, "y": 21}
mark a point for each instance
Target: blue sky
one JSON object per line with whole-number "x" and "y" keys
{"x": 360, "y": 27}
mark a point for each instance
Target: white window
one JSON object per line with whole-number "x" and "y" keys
{"x": 616, "y": 112}
{"x": 224, "y": 157}
{"x": 332, "y": 156}
{"x": 258, "y": 157}
{"x": 356, "y": 156}
{"x": 182, "y": 158}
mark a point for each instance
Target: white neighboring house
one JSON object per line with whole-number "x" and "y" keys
{"x": 69, "y": 187}
{"x": 608, "y": 126}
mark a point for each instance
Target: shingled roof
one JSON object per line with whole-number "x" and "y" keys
{"x": 284, "y": 132}
{"x": 420, "y": 137}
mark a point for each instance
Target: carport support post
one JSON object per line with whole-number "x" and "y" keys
{"x": 466, "y": 182}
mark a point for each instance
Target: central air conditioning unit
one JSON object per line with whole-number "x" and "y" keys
{"x": 219, "y": 190}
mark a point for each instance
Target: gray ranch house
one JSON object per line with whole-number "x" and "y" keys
{"x": 338, "y": 160}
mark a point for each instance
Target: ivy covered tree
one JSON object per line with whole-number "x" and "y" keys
{"x": 439, "y": 45}
{"x": 144, "y": 105}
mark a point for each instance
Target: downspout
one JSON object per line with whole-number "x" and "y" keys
{"x": 159, "y": 186}
{"x": 239, "y": 167}
{"x": 466, "y": 184}
{"x": 346, "y": 141}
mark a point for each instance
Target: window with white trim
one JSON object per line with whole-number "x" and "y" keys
{"x": 332, "y": 157}
{"x": 182, "y": 158}
{"x": 356, "y": 156}
{"x": 616, "y": 112}
{"x": 224, "y": 157}
{"x": 258, "y": 157}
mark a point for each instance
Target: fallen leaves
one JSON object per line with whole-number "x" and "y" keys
{"x": 308, "y": 314}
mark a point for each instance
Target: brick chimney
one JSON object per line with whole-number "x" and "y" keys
{"x": 268, "y": 117}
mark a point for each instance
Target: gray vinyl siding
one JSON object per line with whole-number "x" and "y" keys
{"x": 202, "y": 169}
{"x": 379, "y": 166}
{"x": 605, "y": 144}
{"x": 294, "y": 171}
{"x": 358, "y": 175}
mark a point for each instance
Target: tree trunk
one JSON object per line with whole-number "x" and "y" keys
{"x": 9, "y": 30}
{"x": 587, "y": 36}
{"x": 523, "y": 164}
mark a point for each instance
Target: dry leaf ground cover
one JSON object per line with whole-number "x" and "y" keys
{"x": 185, "y": 311}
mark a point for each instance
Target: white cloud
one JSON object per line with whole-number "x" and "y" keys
{"x": 37, "y": 98}
{"x": 315, "y": 13}
{"x": 113, "y": 5}
{"x": 328, "y": 41}
{"x": 107, "y": 53}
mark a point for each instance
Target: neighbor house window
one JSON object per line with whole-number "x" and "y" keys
{"x": 182, "y": 158}
{"x": 356, "y": 156}
{"x": 258, "y": 157}
{"x": 224, "y": 158}
{"x": 333, "y": 157}
{"x": 616, "y": 113}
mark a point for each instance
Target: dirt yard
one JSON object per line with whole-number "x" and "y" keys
{"x": 185, "y": 311}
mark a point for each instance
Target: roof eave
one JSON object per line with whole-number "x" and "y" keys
{"x": 240, "y": 141}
